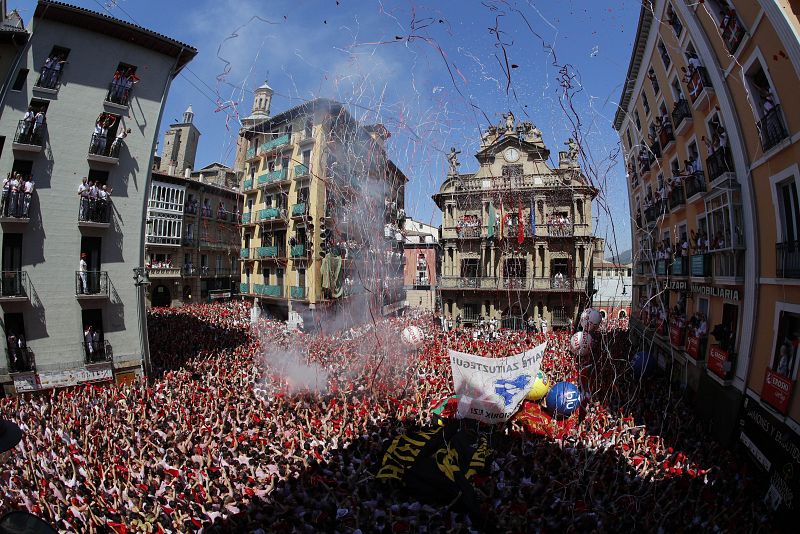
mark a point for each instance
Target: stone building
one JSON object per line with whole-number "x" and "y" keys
{"x": 516, "y": 234}
{"x": 68, "y": 300}
{"x": 322, "y": 211}
{"x": 180, "y": 146}
{"x": 709, "y": 125}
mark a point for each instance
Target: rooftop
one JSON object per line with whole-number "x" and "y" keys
{"x": 637, "y": 54}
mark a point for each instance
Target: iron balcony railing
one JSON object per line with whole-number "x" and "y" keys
{"x": 49, "y": 78}
{"x": 20, "y": 359}
{"x": 297, "y": 292}
{"x": 772, "y": 129}
{"x": 29, "y": 133}
{"x": 244, "y": 253}
{"x": 701, "y": 265}
{"x": 788, "y": 259}
{"x": 719, "y": 163}
{"x": 695, "y": 183}
{"x": 655, "y": 149}
{"x": 300, "y": 170}
{"x": 119, "y": 92}
{"x": 272, "y": 177}
{"x": 271, "y": 252}
{"x": 645, "y": 160}
{"x": 680, "y": 112}
{"x": 560, "y": 230}
{"x": 273, "y": 143}
{"x": 300, "y": 209}
{"x": 268, "y": 290}
{"x": 247, "y": 185}
{"x": 299, "y": 251}
{"x": 680, "y": 266}
{"x": 698, "y": 81}
{"x": 14, "y": 284}
{"x": 513, "y": 282}
{"x": 271, "y": 214}
{"x": 103, "y": 145}
{"x": 676, "y": 197}
{"x": 97, "y": 351}
{"x": 246, "y": 217}
{"x": 94, "y": 210}
{"x": 666, "y": 135}
{"x": 190, "y": 209}
{"x": 244, "y": 288}
{"x": 661, "y": 267}
{"x": 91, "y": 283}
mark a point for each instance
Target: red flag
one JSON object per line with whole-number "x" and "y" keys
{"x": 520, "y": 226}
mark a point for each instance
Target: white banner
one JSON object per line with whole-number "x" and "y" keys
{"x": 65, "y": 378}
{"x": 491, "y": 389}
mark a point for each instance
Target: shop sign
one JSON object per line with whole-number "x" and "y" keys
{"x": 777, "y": 391}
{"x": 718, "y": 361}
{"x": 676, "y": 335}
{"x": 702, "y": 289}
{"x": 693, "y": 347}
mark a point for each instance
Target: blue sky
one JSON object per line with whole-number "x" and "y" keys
{"x": 432, "y": 72}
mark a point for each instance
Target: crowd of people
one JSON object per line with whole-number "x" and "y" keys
{"x": 17, "y": 195}
{"x": 232, "y": 434}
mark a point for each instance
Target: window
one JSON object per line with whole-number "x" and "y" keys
{"x": 50, "y": 75}
{"x": 674, "y": 21}
{"x": 787, "y": 346}
{"x": 510, "y": 171}
{"x": 675, "y": 88}
{"x": 121, "y": 86}
{"x": 651, "y": 74}
{"x": 637, "y": 120}
{"x": 628, "y": 137}
{"x": 19, "y": 81}
{"x": 789, "y": 205}
{"x": 306, "y": 158}
{"x": 771, "y": 127}
{"x": 662, "y": 51}
{"x": 645, "y": 104}
{"x": 301, "y": 278}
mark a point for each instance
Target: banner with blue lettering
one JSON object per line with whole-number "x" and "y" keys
{"x": 491, "y": 389}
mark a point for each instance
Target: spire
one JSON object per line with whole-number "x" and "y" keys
{"x": 262, "y": 98}
{"x": 188, "y": 115}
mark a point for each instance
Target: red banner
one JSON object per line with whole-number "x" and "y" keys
{"x": 717, "y": 358}
{"x": 676, "y": 334}
{"x": 662, "y": 328}
{"x": 777, "y": 391}
{"x": 693, "y": 347}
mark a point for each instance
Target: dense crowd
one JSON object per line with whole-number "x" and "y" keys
{"x": 266, "y": 429}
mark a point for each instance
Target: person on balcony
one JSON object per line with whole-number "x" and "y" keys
{"x": 100, "y": 136}
{"x": 119, "y": 139}
{"x": 83, "y": 287}
{"x": 92, "y": 201}
{"x": 103, "y": 203}
{"x": 127, "y": 85}
{"x": 88, "y": 343}
{"x": 97, "y": 345}
{"x": 13, "y": 195}
{"x": 52, "y": 70}
{"x": 6, "y": 198}
{"x": 27, "y": 125}
{"x": 27, "y": 195}
{"x": 39, "y": 120}
{"x": 83, "y": 194}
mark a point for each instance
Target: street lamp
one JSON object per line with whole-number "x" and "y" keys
{"x": 141, "y": 278}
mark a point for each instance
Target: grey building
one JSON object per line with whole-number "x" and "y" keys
{"x": 67, "y": 260}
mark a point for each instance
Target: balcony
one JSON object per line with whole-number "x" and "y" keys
{"x": 49, "y": 79}
{"x": 298, "y": 251}
{"x": 269, "y": 252}
{"x": 190, "y": 241}
{"x": 466, "y": 232}
{"x": 247, "y": 185}
{"x": 645, "y": 160}
{"x": 655, "y": 150}
{"x": 223, "y": 216}
{"x": 244, "y": 288}
{"x": 701, "y": 265}
{"x": 91, "y": 285}
{"x": 272, "y": 177}
{"x": 676, "y": 198}
{"x": 207, "y": 212}
{"x": 29, "y": 138}
{"x": 772, "y": 129}
{"x": 96, "y": 213}
{"x": 695, "y": 184}
{"x": 300, "y": 209}
{"x": 788, "y": 259}
{"x": 246, "y": 217}
{"x": 666, "y": 136}
{"x": 728, "y": 264}
{"x": 681, "y": 116}
{"x": 14, "y": 286}
{"x": 102, "y": 149}
{"x": 513, "y": 283}
{"x": 297, "y": 292}
{"x": 273, "y": 143}
{"x": 677, "y": 335}
{"x": 733, "y": 32}
{"x": 251, "y": 153}
{"x": 680, "y": 266}
{"x": 696, "y": 347}
{"x": 560, "y": 230}
{"x": 271, "y": 214}
{"x": 164, "y": 272}
{"x": 190, "y": 209}
{"x": 719, "y": 164}
{"x": 721, "y": 362}
{"x": 300, "y": 170}
{"x": 699, "y": 83}
{"x": 244, "y": 254}
{"x": 661, "y": 267}
{"x": 266, "y": 290}
{"x": 97, "y": 352}
{"x": 119, "y": 93}
{"x": 20, "y": 360}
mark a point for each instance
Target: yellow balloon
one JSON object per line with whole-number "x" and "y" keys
{"x": 540, "y": 387}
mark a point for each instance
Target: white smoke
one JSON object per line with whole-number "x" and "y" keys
{"x": 289, "y": 366}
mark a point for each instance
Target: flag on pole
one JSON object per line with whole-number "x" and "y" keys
{"x": 492, "y": 220}
{"x": 520, "y": 225}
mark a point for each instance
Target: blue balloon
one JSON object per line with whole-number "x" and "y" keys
{"x": 563, "y": 399}
{"x": 643, "y": 363}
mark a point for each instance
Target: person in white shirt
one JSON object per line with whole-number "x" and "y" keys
{"x": 27, "y": 125}
{"x": 38, "y": 124}
{"x": 27, "y": 192}
{"x": 544, "y": 324}
{"x": 83, "y": 194}
{"x": 87, "y": 336}
{"x": 14, "y": 204}
{"x": 83, "y": 275}
{"x": 122, "y": 133}
{"x": 103, "y": 203}
{"x": 6, "y": 195}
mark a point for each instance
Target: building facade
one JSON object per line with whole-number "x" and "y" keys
{"x": 180, "y": 146}
{"x": 70, "y": 310}
{"x": 516, "y": 235}
{"x": 710, "y": 131}
{"x": 422, "y": 260}
{"x": 322, "y": 211}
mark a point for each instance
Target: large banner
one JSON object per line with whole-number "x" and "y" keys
{"x": 491, "y": 389}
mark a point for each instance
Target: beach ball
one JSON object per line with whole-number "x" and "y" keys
{"x": 590, "y": 319}
{"x": 541, "y": 385}
{"x": 563, "y": 399}
{"x": 581, "y": 343}
{"x": 413, "y": 336}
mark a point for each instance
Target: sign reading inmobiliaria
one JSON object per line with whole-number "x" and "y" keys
{"x": 491, "y": 389}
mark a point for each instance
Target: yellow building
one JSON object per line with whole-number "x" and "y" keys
{"x": 710, "y": 129}
{"x": 516, "y": 236}
{"x": 322, "y": 211}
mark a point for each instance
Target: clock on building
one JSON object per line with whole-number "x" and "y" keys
{"x": 511, "y": 155}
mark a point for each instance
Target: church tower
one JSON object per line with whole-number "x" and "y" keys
{"x": 180, "y": 145}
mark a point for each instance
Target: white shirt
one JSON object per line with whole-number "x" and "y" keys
{"x": 29, "y": 187}
{"x": 82, "y": 266}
